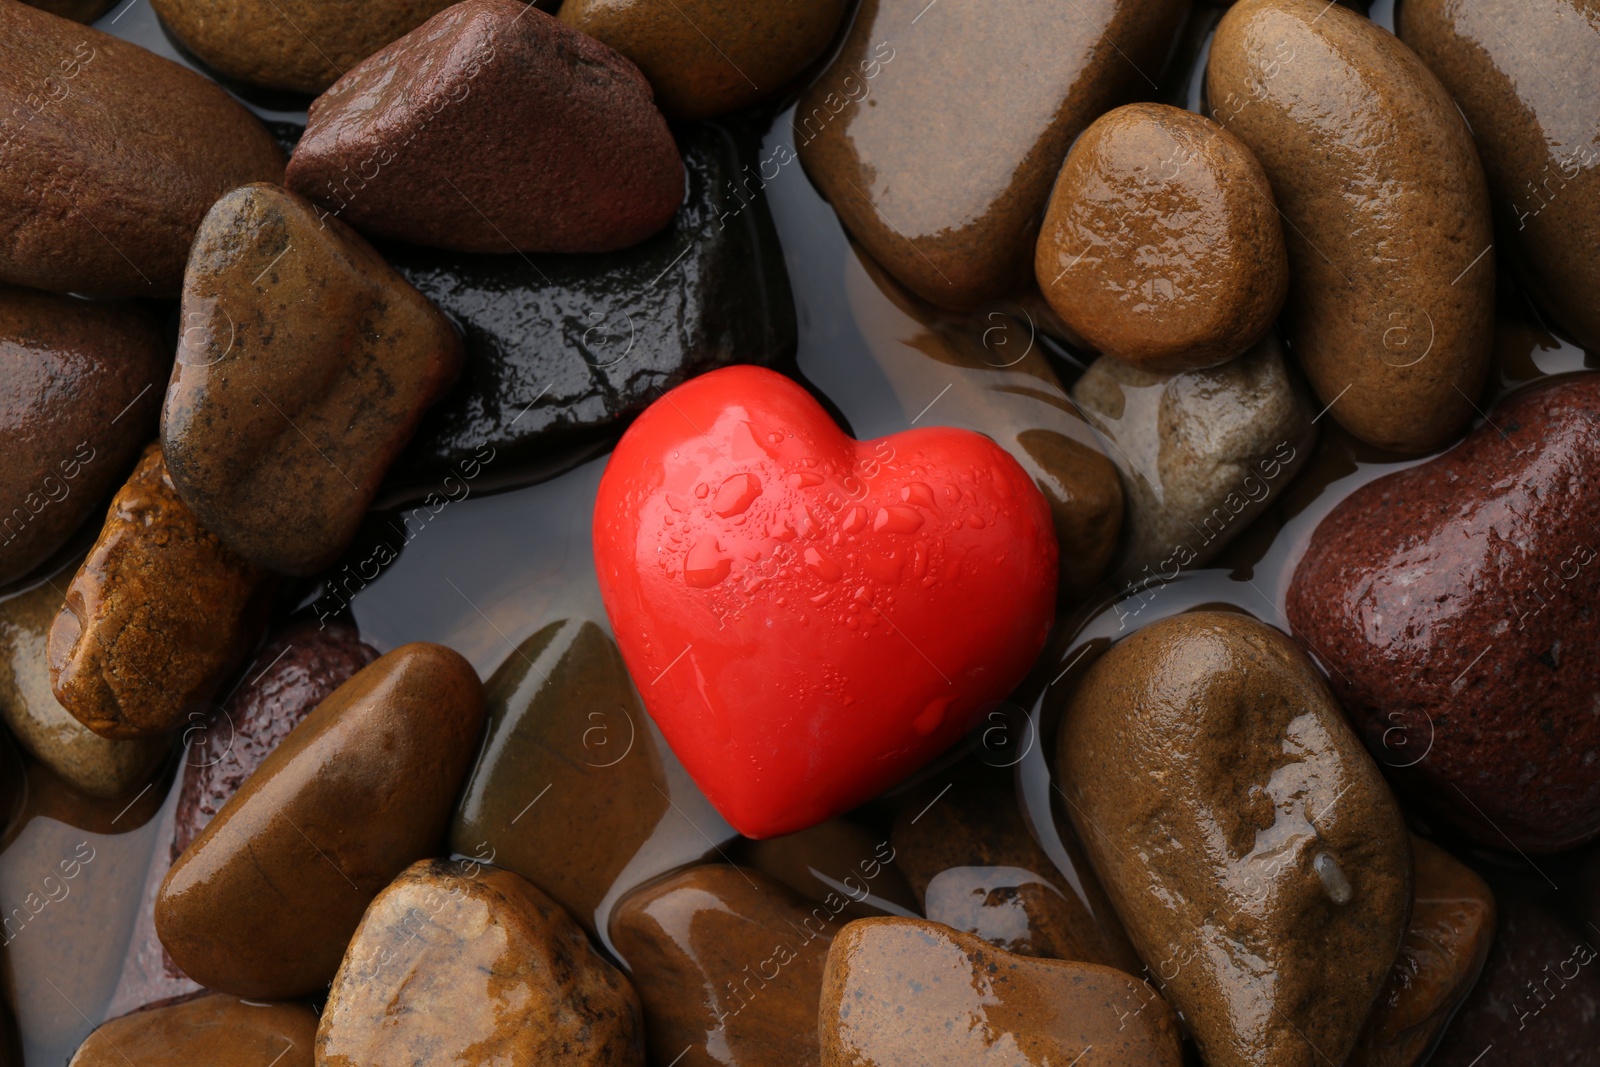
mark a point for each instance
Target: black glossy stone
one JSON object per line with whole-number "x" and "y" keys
{"x": 562, "y": 350}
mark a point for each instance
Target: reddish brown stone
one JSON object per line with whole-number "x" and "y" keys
{"x": 1453, "y": 606}
{"x": 493, "y": 128}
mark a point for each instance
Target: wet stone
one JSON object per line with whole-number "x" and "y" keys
{"x": 1482, "y": 566}
{"x": 1452, "y": 925}
{"x": 1202, "y": 453}
{"x": 83, "y": 385}
{"x": 1535, "y": 133}
{"x": 1162, "y": 245}
{"x": 706, "y": 57}
{"x": 264, "y": 900}
{"x": 893, "y": 986}
{"x": 728, "y": 964}
{"x": 571, "y": 784}
{"x": 1539, "y": 996}
{"x": 109, "y": 157}
{"x": 975, "y": 867}
{"x": 563, "y": 350}
{"x": 833, "y": 859}
{"x": 157, "y": 618}
{"x": 296, "y": 670}
{"x": 492, "y": 127}
{"x": 214, "y": 1029}
{"x": 285, "y": 409}
{"x": 296, "y": 45}
{"x": 1247, "y": 840}
{"x": 938, "y": 146}
{"x": 96, "y": 765}
{"x": 461, "y": 963}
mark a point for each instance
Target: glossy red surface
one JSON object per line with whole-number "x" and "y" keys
{"x": 810, "y": 618}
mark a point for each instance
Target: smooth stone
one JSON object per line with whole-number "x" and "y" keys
{"x": 264, "y": 901}
{"x": 306, "y": 364}
{"x": 1202, "y": 453}
{"x": 1524, "y": 76}
{"x": 96, "y": 765}
{"x": 109, "y": 157}
{"x": 1452, "y": 603}
{"x": 938, "y": 145}
{"x": 214, "y": 1029}
{"x": 1001, "y": 385}
{"x": 82, "y": 391}
{"x": 1249, "y": 843}
{"x": 728, "y": 964}
{"x": 461, "y": 963}
{"x": 296, "y": 669}
{"x": 563, "y": 350}
{"x": 1538, "y": 1000}
{"x": 834, "y": 859}
{"x": 571, "y": 785}
{"x": 1391, "y": 298}
{"x": 157, "y": 618}
{"x": 907, "y": 993}
{"x": 1452, "y": 925}
{"x": 493, "y": 127}
{"x": 296, "y": 45}
{"x": 1161, "y": 245}
{"x": 976, "y": 868}
{"x": 706, "y": 58}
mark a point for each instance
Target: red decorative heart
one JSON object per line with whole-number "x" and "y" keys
{"x": 810, "y": 618}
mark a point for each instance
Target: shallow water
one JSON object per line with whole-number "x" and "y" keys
{"x": 485, "y": 572}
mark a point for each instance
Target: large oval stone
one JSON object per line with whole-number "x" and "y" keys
{"x": 1452, "y": 603}
{"x": 264, "y": 901}
{"x": 1252, "y": 848}
{"x": 109, "y": 157}
{"x": 216, "y": 1030}
{"x": 305, "y": 365}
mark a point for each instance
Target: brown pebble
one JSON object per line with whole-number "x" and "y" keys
{"x": 708, "y": 57}
{"x": 1161, "y": 245}
{"x": 1524, "y": 74}
{"x": 728, "y": 964}
{"x": 96, "y": 765}
{"x": 298, "y": 45}
{"x": 1391, "y": 295}
{"x": 975, "y": 867}
{"x": 493, "y": 127}
{"x": 1249, "y": 843}
{"x": 907, "y": 993}
{"x": 109, "y": 157}
{"x": 1452, "y": 925}
{"x": 830, "y": 860}
{"x": 215, "y": 1030}
{"x": 82, "y": 388}
{"x": 305, "y": 366}
{"x": 264, "y": 901}
{"x": 937, "y": 143}
{"x": 158, "y": 616}
{"x": 465, "y": 964}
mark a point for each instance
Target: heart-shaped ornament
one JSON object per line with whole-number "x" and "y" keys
{"x": 808, "y": 617}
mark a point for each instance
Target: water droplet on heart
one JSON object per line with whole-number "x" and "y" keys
{"x": 855, "y": 520}
{"x": 932, "y": 716}
{"x": 701, "y": 490}
{"x": 897, "y": 519}
{"x": 822, "y": 566}
{"x": 805, "y": 479}
{"x": 705, "y": 566}
{"x": 976, "y": 521}
{"x": 917, "y": 493}
{"x": 736, "y": 494}
{"x": 775, "y": 438}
